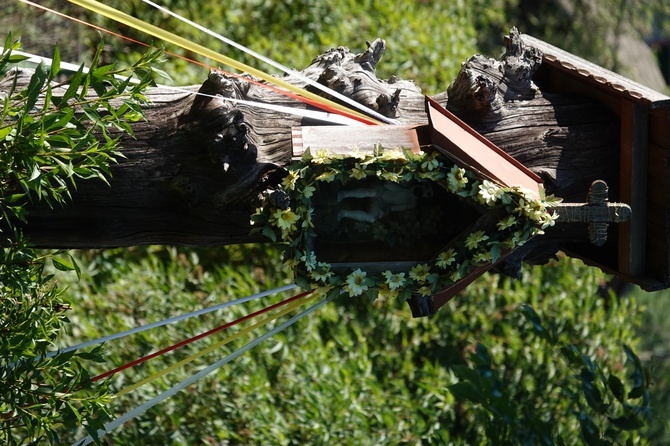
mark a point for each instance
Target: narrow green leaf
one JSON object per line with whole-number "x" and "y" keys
{"x": 593, "y": 397}
{"x": 467, "y": 391}
{"x": 590, "y": 432}
{"x": 63, "y": 264}
{"x": 628, "y": 422}
{"x": 16, "y": 58}
{"x": 55, "y": 63}
{"x": 74, "y": 83}
{"x": 37, "y": 81}
{"x": 616, "y": 387}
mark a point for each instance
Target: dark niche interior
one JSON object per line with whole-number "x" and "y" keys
{"x": 372, "y": 220}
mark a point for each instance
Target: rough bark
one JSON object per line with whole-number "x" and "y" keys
{"x": 193, "y": 174}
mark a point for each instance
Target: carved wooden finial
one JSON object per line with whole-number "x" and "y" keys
{"x": 598, "y": 212}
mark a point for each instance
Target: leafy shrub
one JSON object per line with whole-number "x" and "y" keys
{"x": 51, "y": 136}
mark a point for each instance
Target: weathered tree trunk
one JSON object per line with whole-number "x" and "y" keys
{"x": 193, "y": 174}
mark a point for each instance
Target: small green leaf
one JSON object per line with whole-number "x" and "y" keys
{"x": 616, "y": 387}
{"x": 4, "y": 132}
{"x": 63, "y": 264}
{"x": 269, "y": 233}
{"x": 495, "y": 253}
{"x": 467, "y": 391}
{"x": 628, "y": 422}
{"x": 55, "y": 62}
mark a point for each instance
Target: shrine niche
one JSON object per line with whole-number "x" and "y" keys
{"x": 409, "y": 222}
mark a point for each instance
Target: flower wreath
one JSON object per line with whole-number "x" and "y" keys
{"x": 526, "y": 216}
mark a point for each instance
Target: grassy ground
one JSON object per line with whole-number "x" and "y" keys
{"x": 354, "y": 373}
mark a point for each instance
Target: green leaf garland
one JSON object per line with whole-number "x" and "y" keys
{"x": 525, "y": 217}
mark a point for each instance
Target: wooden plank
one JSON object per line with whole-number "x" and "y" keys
{"x": 633, "y": 186}
{"x": 659, "y": 127}
{"x": 346, "y": 140}
{"x": 658, "y": 212}
{"x": 468, "y": 148}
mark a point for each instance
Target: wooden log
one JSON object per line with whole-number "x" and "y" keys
{"x": 194, "y": 172}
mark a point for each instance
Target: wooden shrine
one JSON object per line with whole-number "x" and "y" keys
{"x": 637, "y": 248}
{"x": 451, "y": 137}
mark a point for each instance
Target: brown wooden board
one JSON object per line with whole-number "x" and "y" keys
{"x": 468, "y": 148}
{"x": 633, "y": 186}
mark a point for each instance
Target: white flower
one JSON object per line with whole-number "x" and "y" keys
{"x": 456, "y": 178}
{"x": 328, "y": 176}
{"x": 309, "y": 259}
{"x": 391, "y": 154}
{"x": 446, "y": 258}
{"x": 394, "y": 281}
{"x": 359, "y": 172}
{"x": 290, "y": 179}
{"x": 389, "y": 176}
{"x": 322, "y": 272}
{"x": 420, "y": 272}
{"x": 488, "y": 192}
{"x": 286, "y": 219}
{"x": 549, "y": 220}
{"x": 356, "y": 283}
{"x": 425, "y": 290}
{"x": 321, "y": 157}
{"x": 385, "y": 291}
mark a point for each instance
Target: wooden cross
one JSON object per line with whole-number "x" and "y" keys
{"x": 597, "y": 212}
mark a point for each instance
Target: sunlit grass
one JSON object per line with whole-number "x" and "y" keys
{"x": 353, "y": 373}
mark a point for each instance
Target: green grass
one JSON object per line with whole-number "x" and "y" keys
{"x": 353, "y": 373}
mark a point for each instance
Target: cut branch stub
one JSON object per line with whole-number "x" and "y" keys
{"x": 484, "y": 85}
{"x": 353, "y": 75}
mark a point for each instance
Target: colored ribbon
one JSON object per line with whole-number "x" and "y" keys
{"x": 203, "y": 373}
{"x": 167, "y": 36}
{"x": 211, "y": 348}
{"x": 197, "y": 337}
{"x": 277, "y": 65}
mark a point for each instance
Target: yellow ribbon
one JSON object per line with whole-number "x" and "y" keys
{"x": 292, "y": 306}
{"x": 160, "y": 33}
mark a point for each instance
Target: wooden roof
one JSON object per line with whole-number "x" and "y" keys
{"x": 595, "y": 75}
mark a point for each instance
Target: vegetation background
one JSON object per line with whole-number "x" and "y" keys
{"x": 357, "y": 372}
